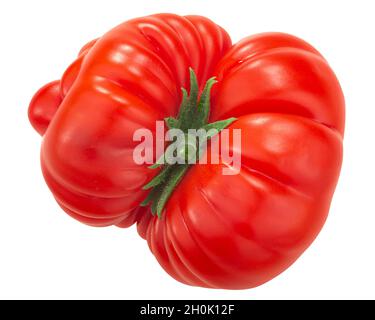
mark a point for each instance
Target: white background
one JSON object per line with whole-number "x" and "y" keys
{"x": 46, "y": 254}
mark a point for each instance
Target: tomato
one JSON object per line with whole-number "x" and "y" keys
{"x": 214, "y": 230}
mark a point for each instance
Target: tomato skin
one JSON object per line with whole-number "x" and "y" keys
{"x": 216, "y": 231}
{"x": 47, "y": 99}
{"x": 237, "y": 232}
{"x": 299, "y": 81}
{"x": 116, "y": 85}
{"x": 44, "y": 105}
{"x": 240, "y": 231}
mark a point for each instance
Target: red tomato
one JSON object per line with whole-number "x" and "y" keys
{"x": 217, "y": 231}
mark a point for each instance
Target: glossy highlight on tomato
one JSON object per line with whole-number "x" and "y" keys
{"x": 215, "y": 231}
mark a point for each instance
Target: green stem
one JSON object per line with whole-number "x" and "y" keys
{"x": 194, "y": 113}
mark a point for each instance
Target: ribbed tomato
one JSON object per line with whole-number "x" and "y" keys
{"x": 218, "y": 231}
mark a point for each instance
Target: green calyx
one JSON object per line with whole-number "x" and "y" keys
{"x": 186, "y": 148}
